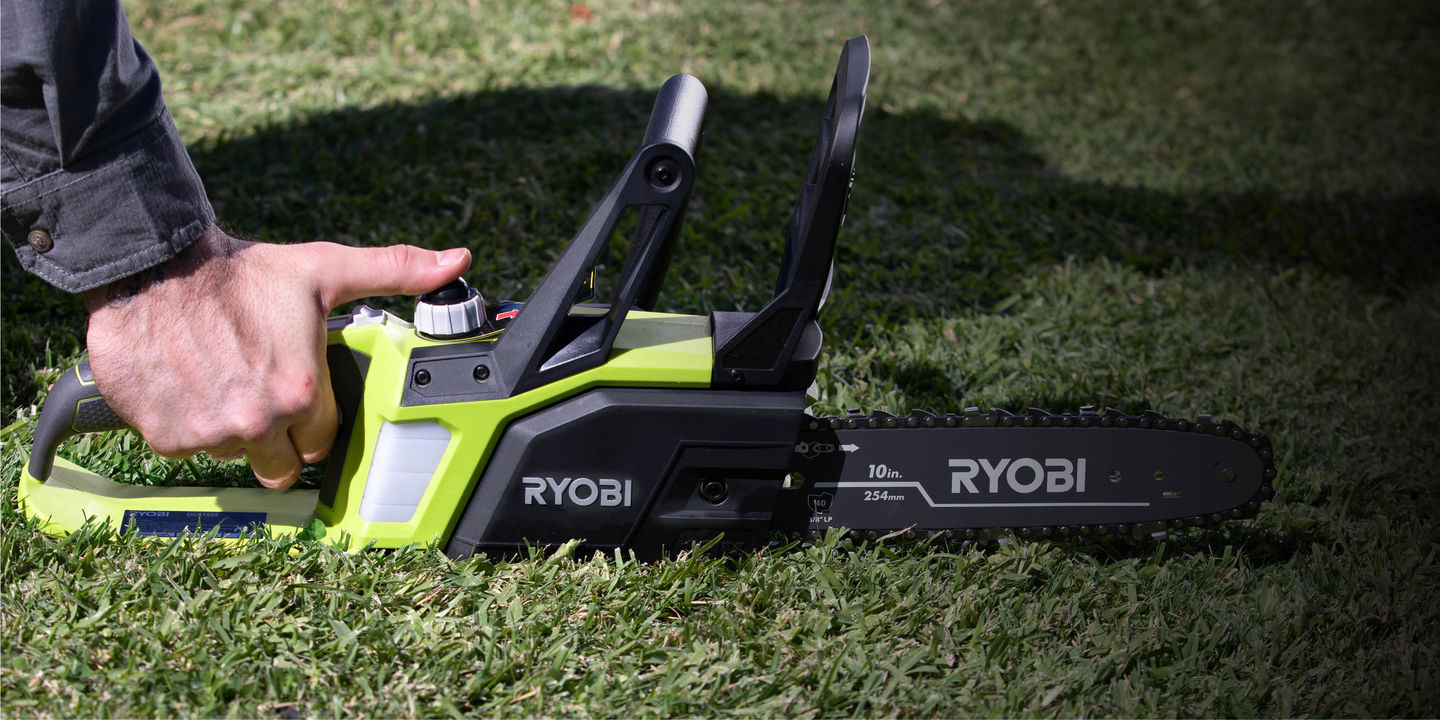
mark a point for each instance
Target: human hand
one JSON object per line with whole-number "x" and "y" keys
{"x": 222, "y": 349}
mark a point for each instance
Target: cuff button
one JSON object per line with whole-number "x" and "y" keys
{"x": 40, "y": 240}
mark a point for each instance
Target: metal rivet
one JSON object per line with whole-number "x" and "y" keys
{"x": 422, "y": 377}
{"x": 482, "y": 373}
{"x": 40, "y": 240}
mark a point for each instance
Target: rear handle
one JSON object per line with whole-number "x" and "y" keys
{"x": 74, "y": 406}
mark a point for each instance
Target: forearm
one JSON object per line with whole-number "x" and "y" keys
{"x": 95, "y": 184}
{"x": 210, "y": 253}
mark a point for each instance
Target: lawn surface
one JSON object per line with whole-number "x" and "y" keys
{"x": 1197, "y": 207}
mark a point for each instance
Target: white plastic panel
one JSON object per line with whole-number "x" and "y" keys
{"x": 406, "y": 456}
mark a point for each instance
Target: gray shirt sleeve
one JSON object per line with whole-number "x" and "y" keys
{"x": 95, "y": 184}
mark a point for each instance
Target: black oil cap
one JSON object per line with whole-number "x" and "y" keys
{"x": 451, "y": 293}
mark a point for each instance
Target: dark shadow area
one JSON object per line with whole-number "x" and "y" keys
{"x": 945, "y": 215}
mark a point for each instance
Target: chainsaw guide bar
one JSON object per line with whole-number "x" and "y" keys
{"x": 491, "y": 427}
{"x": 1035, "y": 475}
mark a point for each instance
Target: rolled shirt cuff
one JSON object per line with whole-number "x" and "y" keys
{"x": 126, "y": 209}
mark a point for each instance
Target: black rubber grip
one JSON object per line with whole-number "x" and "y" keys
{"x": 679, "y": 114}
{"x": 73, "y": 406}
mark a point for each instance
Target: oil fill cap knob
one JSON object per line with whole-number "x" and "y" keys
{"x": 451, "y": 311}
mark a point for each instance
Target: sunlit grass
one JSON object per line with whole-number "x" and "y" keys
{"x": 1199, "y": 207}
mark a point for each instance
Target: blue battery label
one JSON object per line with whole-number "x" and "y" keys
{"x": 167, "y": 523}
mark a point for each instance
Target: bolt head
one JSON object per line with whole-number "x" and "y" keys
{"x": 662, "y": 174}
{"x": 714, "y": 490}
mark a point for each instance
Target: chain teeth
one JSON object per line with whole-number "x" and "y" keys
{"x": 1037, "y": 417}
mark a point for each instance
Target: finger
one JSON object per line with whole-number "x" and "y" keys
{"x": 169, "y": 441}
{"x": 229, "y": 449}
{"x": 226, "y": 453}
{"x": 275, "y": 462}
{"x": 351, "y": 273}
{"x": 168, "y": 452}
{"x": 314, "y": 433}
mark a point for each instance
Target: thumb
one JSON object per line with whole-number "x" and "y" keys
{"x": 347, "y": 273}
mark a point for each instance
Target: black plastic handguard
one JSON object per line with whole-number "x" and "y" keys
{"x": 777, "y": 348}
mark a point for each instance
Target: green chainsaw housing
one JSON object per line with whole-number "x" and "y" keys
{"x": 557, "y": 418}
{"x": 651, "y": 350}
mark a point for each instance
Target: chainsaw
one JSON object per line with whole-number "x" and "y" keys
{"x": 489, "y": 427}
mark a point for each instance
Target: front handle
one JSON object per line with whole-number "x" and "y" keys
{"x": 678, "y": 115}
{"x": 74, "y": 406}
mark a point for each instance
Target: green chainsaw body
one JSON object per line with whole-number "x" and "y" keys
{"x": 651, "y": 350}
{"x": 550, "y": 385}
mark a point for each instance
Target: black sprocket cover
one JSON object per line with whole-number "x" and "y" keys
{"x": 641, "y": 469}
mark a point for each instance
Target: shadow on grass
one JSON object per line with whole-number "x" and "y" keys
{"x": 945, "y": 216}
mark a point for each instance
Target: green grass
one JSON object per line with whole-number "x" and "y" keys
{"x": 1216, "y": 207}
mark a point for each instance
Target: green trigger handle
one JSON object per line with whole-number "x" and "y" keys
{"x": 74, "y": 406}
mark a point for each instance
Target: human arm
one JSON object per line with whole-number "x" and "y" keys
{"x": 95, "y": 184}
{"x": 198, "y": 340}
